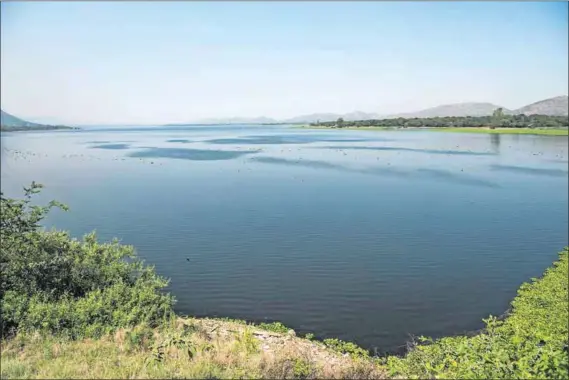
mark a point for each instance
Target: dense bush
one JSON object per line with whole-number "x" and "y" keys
{"x": 53, "y": 283}
{"x": 530, "y": 343}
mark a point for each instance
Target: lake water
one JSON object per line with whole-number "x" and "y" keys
{"x": 366, "y": 236}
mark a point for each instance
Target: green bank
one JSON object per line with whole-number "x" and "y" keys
{"x": 496, "y": 123}
{"x": 507, "y": 131}
{"x": 484, "y": 130}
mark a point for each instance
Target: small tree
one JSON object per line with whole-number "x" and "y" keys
{"x": 340, "y": 122}
{"x": 497, "y": 117}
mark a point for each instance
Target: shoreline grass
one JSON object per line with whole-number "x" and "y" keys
{"x": 482, "y": 130}
{"x": 512, "y": 131}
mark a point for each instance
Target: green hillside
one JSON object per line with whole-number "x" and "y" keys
{"x": 12, "y": 123}
{"x": 7, "y": 120}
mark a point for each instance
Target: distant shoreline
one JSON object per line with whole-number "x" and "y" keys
{"x": 508, "y": 131}
{"x": 485, "y": 130}
{"x": 214, "y": 124}
{"x": 8, "y": 128}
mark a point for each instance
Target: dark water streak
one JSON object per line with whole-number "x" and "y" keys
{"x": 189, "y": 154}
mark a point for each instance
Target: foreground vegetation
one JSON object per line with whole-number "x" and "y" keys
{"x": 497, "y": 120}
{"x": 81, "y": 309}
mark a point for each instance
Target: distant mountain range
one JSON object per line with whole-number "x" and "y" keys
{"x": 557, "y": 106}
{"x": 233, "y": 120}
{"x": 457, "y": 109}
{"x": 356, "y": 115}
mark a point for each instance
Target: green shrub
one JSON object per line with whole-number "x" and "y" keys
{"x": 246, "y": 342}
{"x": 276, "y": 327}
{"x": 346, "y": 348}
{"x": 56, "y": 284}
{"x": 530, "y": 343}
{"x": 309, "y": 336}
{"x": 301, "y": 369}
{"x": 139, "y": 337}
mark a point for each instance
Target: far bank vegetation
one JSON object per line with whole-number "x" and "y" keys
{"x": 497, "y": 120}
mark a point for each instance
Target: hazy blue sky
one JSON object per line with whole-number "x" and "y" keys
{"x": 157, "y": 62}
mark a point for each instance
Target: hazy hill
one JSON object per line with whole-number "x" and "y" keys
{"x": 358, "y": 115}
{"x": 456, "y": 109}
{"x": 11, "y": 123}
{"x": 557, "y": 106}
{"x": 312, "y": 118}
{"x": 237, "y": 120}
{"x": 8, "y": 120}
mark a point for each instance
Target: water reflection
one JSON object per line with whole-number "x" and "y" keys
{"x": 495, "y": 142}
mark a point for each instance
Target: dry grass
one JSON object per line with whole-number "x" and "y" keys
{"x": 190, "y": 348}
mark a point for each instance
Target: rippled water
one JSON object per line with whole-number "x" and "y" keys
{"x": 366, "y": 236}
